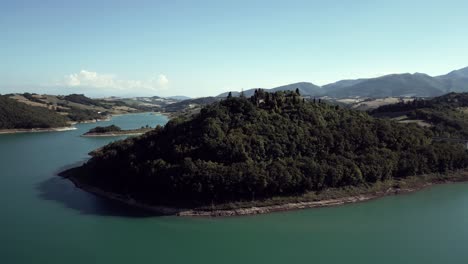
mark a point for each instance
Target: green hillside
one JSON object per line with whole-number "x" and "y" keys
{"x": 15, "y": 115}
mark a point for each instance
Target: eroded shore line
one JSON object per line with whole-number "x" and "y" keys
{"x": 35, "y": 130}
{"x": 253, "y": 210}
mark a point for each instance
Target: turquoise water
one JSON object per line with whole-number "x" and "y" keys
{"x": 45, "y": 219}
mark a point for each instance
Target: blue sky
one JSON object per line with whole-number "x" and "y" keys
{"x": 200, "y": 48}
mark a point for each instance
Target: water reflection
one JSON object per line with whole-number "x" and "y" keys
{"x": 63, "y": 191}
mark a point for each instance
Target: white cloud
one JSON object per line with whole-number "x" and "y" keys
{"x": 91, "y": 79}
{"x": 162, "y": 80}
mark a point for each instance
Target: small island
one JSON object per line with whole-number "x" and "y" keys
{"x": 115, "y": 131}
{"x": 278, "y": 151}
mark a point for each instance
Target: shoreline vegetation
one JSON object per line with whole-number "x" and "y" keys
{"x": 328, "y": 198}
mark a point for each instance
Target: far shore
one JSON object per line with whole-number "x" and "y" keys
{"x": 35, "y": 130}
{"x": 92, "y": 121}
{"x": 51, "y": 129}
{"x": 335, "y": 199}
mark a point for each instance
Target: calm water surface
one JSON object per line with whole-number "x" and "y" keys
{"x": 44, "y": 219}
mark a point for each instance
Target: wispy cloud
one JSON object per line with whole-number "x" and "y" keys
{"x": 90, "y": 79}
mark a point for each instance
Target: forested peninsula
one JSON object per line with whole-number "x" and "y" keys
{"x": 268, "y": 150}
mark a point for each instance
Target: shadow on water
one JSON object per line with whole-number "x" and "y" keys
{"x": 63, "y": 191}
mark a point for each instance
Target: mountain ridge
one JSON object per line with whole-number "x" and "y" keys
{"x": 397, "y": 85}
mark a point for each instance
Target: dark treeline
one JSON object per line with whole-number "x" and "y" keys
{"x": 15, "y": 115}
{"x": 99, "y": 129}
{"x": 32, "y": 98}
{"x": 447, "y": 114}
{"x": 268, "y": 145}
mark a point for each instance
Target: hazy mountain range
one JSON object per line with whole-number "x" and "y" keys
{"x": 398, "y": 85}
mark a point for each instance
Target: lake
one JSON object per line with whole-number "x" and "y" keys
{"x": 45, "y": 219}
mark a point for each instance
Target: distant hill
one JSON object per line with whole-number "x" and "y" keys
{"x": 16, "y": 115}
{"x": 462, "y": 73}
{"x": 341, "y": 84}
{"x": 190, "y": 103}
{"x": 455, "y": 81}
{"x": 179, "y": 97}
{"x": 420, "y": 85}
{"x": 80, "y": 108}
{"x": 446, "y": 115}
{"x": 81, "y": 99}
{"x": 394, "y": 85}
{"x": 305, "y": 88}
{"x": 76, "y": 107}
{"x": 154, "y": 103}
{"x": 399, "y": 85}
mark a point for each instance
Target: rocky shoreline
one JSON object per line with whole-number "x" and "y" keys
{"x": 164, "y": 210}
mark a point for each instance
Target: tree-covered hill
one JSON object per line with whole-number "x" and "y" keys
{"x": 267, "y": 146}
{"x": 15, "y": 115}
{"x": 305, "y": 88}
